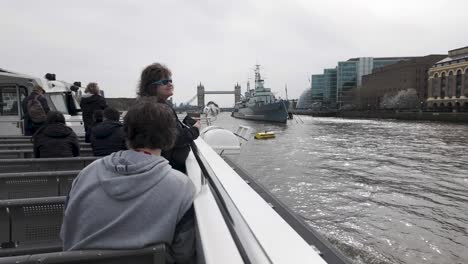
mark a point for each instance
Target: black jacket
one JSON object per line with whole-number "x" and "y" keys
{"x": 55, "y": 141}
{"x": 178, "y": 154}
{"x": 89, "y": 105}
{"x": 107, "y": 137}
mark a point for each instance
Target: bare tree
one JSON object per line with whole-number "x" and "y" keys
{"x": 404, "y": 99}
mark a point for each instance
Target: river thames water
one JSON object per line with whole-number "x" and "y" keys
{"x": 382, "y": 191}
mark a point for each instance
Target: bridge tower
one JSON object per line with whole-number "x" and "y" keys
{"x": 237, "y": 93}
{"x": 201, "y": 96}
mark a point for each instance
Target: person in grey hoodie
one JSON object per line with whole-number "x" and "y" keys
{"x": 133, "y": 198}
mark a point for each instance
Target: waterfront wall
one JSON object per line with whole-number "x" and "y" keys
{"x": 427, "y": 116}
{"x": 457, "y": 117}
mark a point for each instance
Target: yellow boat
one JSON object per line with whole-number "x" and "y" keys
{"x": 264, "y": 135}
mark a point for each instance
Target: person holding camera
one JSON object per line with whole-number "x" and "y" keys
{"x": 156, "y": 81}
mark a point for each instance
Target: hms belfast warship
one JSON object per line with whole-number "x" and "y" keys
{"x": 261, "y": 104}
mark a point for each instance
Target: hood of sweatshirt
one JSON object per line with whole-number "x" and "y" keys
{"x": 105, "y": 128}
{"x": 133, "y": 173}
{"x": 57, "y": 131}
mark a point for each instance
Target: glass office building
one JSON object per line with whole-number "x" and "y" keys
{"x": 347, "y": 72}
{"x": 318, "y": 88}
{"x": 350, "y": 72}
{"x": 324, "y": 88}
{"x": 330, "y": 87}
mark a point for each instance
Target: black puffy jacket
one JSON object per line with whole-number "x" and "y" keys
{"x": 89, "y": 105}
{"x": 178, "y": 154}
{"x": 56, "y": 141}
{"x": 107, "y": 137}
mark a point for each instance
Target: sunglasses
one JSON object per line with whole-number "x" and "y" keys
{"x": 163, "y": 82}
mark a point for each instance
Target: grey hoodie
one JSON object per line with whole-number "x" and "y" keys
{"x": 129, "y": 200}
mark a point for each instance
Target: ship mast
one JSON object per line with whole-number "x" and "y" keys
{"x": 258, "y": 78}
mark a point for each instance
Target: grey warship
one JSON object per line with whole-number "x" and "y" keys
{"x": 261, "y": 104}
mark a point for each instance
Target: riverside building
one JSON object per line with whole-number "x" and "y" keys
{"x": 324, "y": 88}
{"x": 337, "y": 87}
{"x": 317, "y": 89}
{"x": 448, "y": 82}
{"x": 350, "y": 72}
{"x": 402, "y": 85}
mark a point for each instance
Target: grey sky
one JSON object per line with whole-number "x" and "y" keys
{"x": 218, "y": 42}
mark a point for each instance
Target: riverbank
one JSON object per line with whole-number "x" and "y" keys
{"x": 453, "y": 117}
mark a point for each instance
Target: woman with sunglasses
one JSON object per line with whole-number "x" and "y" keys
{"x": 156, "y": 82}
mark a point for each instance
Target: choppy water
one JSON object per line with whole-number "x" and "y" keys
{"x": 381, "y": 191}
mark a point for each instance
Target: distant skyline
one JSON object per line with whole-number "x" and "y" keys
{"x": 218, "y": 43}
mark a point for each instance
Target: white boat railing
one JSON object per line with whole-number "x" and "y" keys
{"x": 214, "y": 240}
{"x": 259, "y": 233}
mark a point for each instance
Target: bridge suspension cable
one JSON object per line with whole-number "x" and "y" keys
{"x": 191, "y": 100}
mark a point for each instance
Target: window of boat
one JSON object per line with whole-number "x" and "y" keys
{"x": 72, "y": 104}
{"x": 77, "y": 104}
{"x": 9, "y": 101}
{"x": 58, "y": 100}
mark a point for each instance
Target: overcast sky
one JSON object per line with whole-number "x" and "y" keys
{"x": 218, "y": 42}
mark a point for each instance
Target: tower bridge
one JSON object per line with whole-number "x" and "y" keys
{"x": 201, "y": 94}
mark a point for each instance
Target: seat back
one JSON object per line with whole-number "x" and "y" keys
{"x": 17, "y": 260}
{"x": 19, "y": 187}
{"x": 16, "y": 154}
{"x": 4, "y": 226}
{"x": 16, "y": 146}
{"x": 36, "y": 184}
{"x": 150, "y": 255}
{"x": 29, "y": 146}
{"x": 33, "y": 225}
{"x": 3, "y": 137}
{"x": 49, "y": 164}
{"x": 28, "y": 153}
{"x": 22, "y": 140}
{"x": 36, "y": 220}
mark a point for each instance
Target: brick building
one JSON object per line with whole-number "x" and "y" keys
{"x": 401, "y": 76}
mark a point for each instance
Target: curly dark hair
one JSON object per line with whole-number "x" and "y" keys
{"x": 149, "y": 124}
{"x": 150, "y": 74}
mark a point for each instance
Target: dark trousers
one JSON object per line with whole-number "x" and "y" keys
{"x": 30, "y": 128}
{"x": 88, "y": 134}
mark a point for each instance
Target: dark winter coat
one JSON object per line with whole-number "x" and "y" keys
{"x": 29, "y": 126}
{"x": 178, "y": 154}
{"x": 56, "y": 141}
{"x": 107, "y": 137}
{"x": 89, "y": 105}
